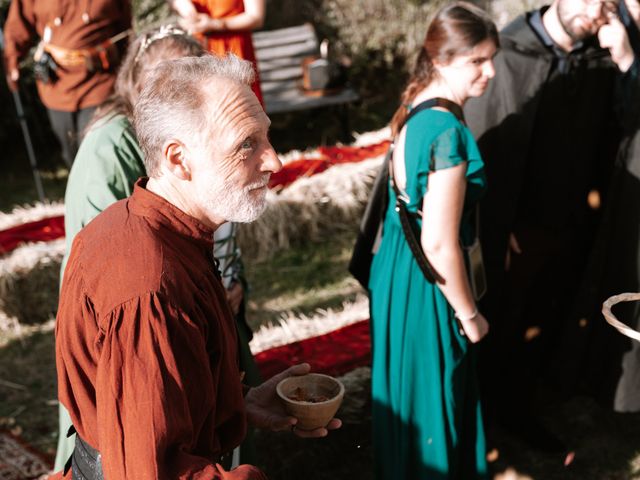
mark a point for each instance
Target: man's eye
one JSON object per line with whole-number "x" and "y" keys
{"x": 247, "y": 143}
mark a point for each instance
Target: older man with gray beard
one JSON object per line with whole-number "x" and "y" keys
{"x": 146, "y": 345}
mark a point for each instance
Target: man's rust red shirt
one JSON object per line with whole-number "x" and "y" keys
{"x": 146, "y": 346}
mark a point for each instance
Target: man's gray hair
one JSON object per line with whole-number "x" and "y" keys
{"x": 173, "y": 101}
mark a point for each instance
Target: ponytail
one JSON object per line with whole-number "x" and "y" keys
{"x": 423, "y": 75}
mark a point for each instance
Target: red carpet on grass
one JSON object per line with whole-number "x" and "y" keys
{"x": 334, "y": 353}
{"x": 39, "y": 231}
{"x": 329, "y": 156}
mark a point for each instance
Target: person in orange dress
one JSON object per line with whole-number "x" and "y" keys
{"x": 225, "y": 26}
{"x": 79, "y": 50}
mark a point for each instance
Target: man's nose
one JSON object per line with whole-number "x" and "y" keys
{"x": 270, "y": 160}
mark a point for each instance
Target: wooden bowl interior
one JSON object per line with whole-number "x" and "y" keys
{"x": 313, "y": 385}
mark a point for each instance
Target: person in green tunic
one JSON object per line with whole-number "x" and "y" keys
{"x": 108, "y": 163}
{"x": 427, "y": 421}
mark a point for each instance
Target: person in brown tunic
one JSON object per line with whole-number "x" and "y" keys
{"x": 80, "y": 47}
{"x": 146, "y": 346}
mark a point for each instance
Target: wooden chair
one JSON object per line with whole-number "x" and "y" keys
{"x": 280, "y": 54}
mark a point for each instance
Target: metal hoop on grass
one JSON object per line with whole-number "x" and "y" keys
{"x": 611, "y": 318}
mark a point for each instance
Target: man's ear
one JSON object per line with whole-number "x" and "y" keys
{"x": 176, "y": 159}
{"x": 438, "y": 64}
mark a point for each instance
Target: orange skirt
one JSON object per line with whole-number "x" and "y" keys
{"x": 241, "y": 45}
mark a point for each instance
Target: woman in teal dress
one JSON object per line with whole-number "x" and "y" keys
{"x": 427, "y": 422}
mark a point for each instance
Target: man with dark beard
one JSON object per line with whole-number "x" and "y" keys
{"x": 146, "y": 346}
{"x": 548, "y": 132}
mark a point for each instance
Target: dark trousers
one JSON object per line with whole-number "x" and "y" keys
{"x": 528, "y": 319}
{"x": 69, "y": 129}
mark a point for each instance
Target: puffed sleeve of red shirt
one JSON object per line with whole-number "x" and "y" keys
{"x": 154, "y": 375}
{"x": 19, "y": 32}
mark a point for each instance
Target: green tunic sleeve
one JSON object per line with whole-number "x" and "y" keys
{"x": 108, "y": 163}
{"x": 447, "y": 150}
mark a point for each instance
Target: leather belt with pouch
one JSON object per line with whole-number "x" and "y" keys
{"x": 93, "y": 59}
{"x": 103, "y": 57}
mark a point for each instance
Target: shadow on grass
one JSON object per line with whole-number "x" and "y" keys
{"x": 344, "y": 454}
{"x": 606, "y": 444}
{"x": 301, "y": 280}
{"x": 606, "y": 448}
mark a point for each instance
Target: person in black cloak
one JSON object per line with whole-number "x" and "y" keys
{"x": 609, "y": 366}
{"x": 548, "y": 129}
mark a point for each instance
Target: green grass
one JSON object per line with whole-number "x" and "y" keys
{"x": 300, "y": 280}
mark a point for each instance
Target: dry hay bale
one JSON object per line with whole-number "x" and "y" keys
{"x": 370, "y": 138}
{"x": 11, "y": 330}
{"x": 294, "y": 328}
{"x": 311, "y": 209}
{"x": 30, "y": 213}
{"x": 293, "y": 155}
{"x": 29, "y": 281}
{"x": 360, "y": 140}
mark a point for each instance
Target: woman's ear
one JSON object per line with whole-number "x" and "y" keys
{"x": 177, "y": 160}
{"x": 438, "y": 65}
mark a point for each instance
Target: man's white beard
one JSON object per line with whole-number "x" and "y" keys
{"x": 230, "y": 202}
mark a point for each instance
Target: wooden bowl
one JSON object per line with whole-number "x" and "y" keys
{"x": 313, "y": 399}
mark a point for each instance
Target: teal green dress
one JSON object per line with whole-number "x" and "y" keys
{"x": 427, "y": 422}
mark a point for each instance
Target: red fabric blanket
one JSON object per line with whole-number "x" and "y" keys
{"x": 334, "y": 353}
{"x": 39, "y": 231}
{"x": 329, "y": 156}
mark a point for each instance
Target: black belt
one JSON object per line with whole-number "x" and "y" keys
{"x": 85, "y": 461}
